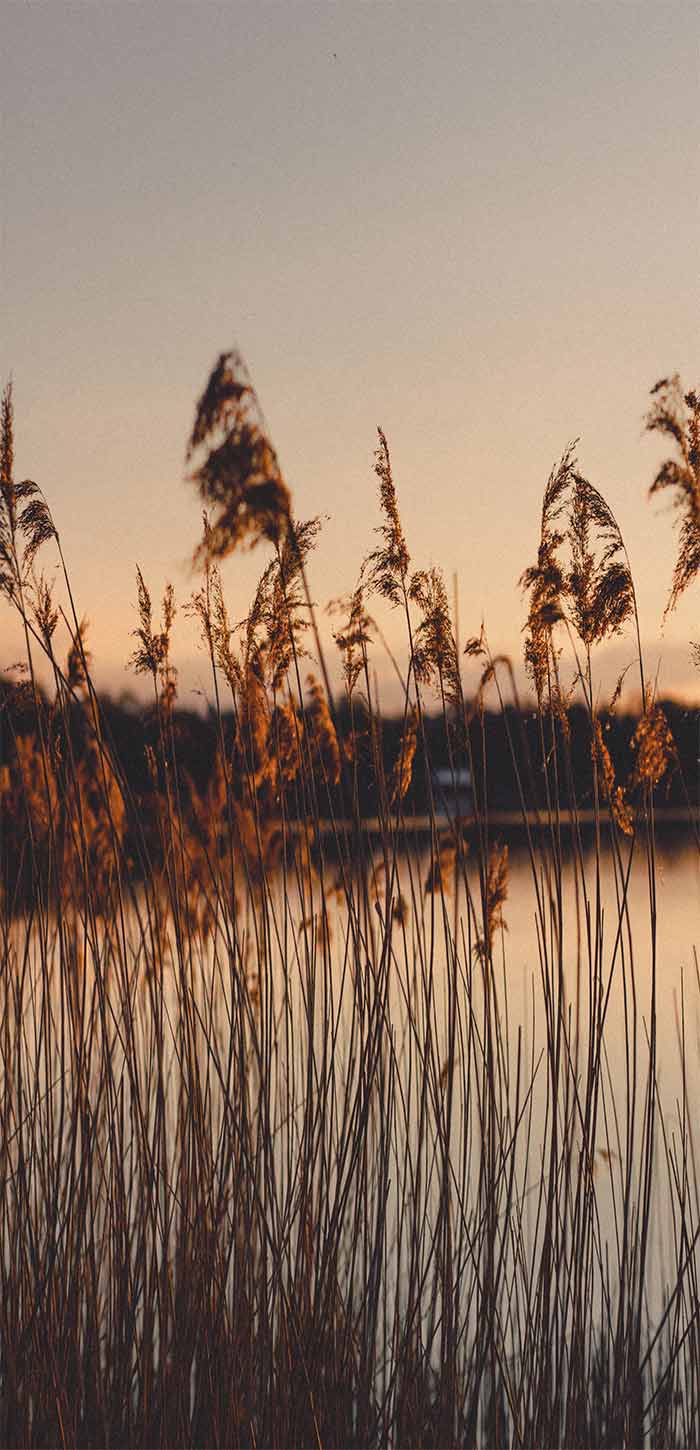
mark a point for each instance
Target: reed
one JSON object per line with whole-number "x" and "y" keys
{"x": 278, "y": 1163}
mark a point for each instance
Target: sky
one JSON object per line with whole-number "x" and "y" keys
{"x": 474, "y": 225}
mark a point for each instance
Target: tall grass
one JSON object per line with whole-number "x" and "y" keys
{"x": 278, "y": 1163}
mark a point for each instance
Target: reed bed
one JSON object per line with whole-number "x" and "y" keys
{"x": 279, "y": 1163}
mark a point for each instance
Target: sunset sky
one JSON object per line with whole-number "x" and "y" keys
{"x": 476, "y": 225}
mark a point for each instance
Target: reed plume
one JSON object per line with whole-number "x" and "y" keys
{"x": 285, "y": 738}
{"x": 389, "y": 564}
{"x": 676, "y": 415}
{"x": 34, "y": 795}
{"x": 322, "y": 731}
{"x": 239, "y": 476}
{"x": 496, "y": 891}
{"x": 354, "y": 636}
{"x": 79, "y": 659}
{"x": 582, "y": 573}
{"x": 103, "y": 822}
{"x": 442, "y": 865}
{"x": 44, "y": 611}
{"x": 545, "y": 580}
{"x": 654, "y": 746}
{"x": 25, "y": 521}
{"x": 620, "y": 809}
{"x": 435, "y": 649}
{"x": 286, "y": 606}
{"x": 222, "y": 635}
{"x": 599, "y": 583}
{"x": 402, "y": 773}
{"x": 25, "y": 524}
{"x": 152, "y": 655}
{"x": 252, "y": 764}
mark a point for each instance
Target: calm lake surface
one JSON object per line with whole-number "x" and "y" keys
{"x": 299, "y": 950}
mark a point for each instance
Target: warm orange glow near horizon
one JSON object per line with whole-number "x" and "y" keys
{"x": 474, "y": 228}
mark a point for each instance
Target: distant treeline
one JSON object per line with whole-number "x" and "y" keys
{"x": 488, "y": 742}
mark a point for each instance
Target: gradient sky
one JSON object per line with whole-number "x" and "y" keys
{"x": 474, "y": 224}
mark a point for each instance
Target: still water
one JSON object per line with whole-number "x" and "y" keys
{"x": 317, "y": 965}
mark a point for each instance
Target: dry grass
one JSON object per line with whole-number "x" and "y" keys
{"x": 277, "y": 1164}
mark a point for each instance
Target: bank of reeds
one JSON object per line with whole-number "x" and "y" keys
{"x": 278, "y": 1166}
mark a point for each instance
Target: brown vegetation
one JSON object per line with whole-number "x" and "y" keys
{"x": 275, "y": 1166}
